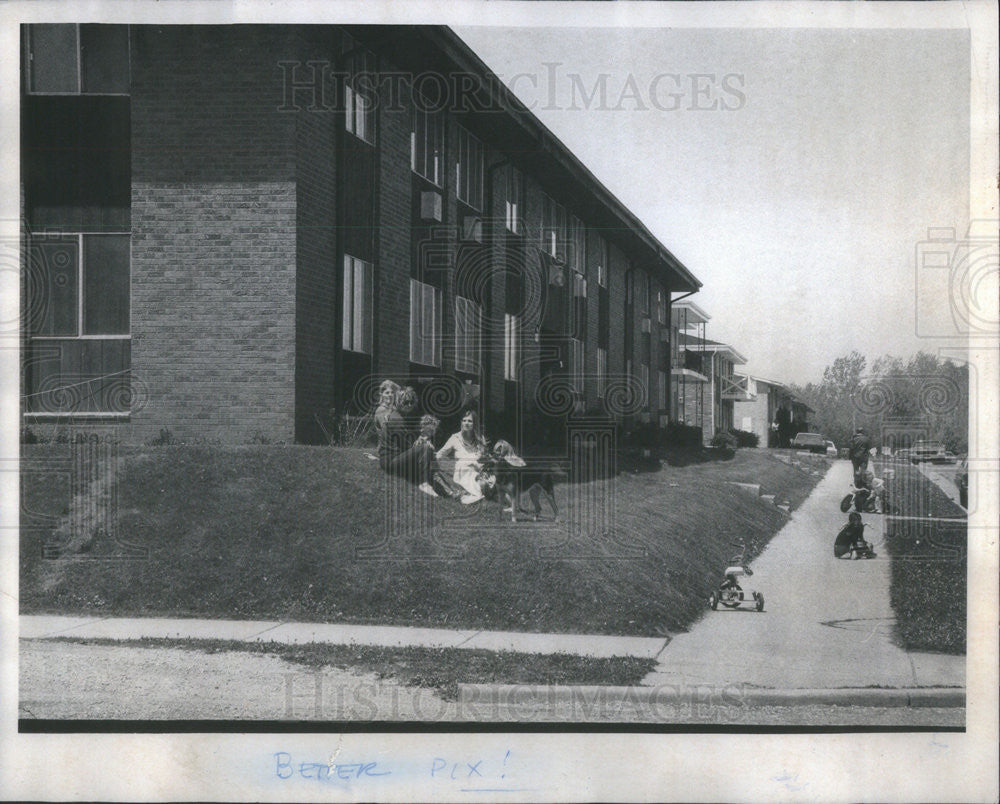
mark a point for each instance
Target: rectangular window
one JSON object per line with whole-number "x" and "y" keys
{"x": 425, "y": 324}
{"x": 358, "y": 295}
{"x": 510, "y": 355}
{"x": 359, "y": 94}
{"x": 602, "y": 262}
{"x": 579, "y": 308}
{"x": 78, "y": 355}
{"x": 467, "y": 335}
{"x": 661, "y": 307}
{"x": 642, "y": 292}
{"x": 577, "y": 256}
{"x": 469, "y": 170}
{"x": 576, "y": 363}
{"x": 71, "y": 59}
{"x": 83, "y": 281}
{"x": 644, "y": 380}
{"x": 512, "y": 210}
{"x": 553, "y": 228}
{"x": 661, "y": 377}
{"x": 602, "y": 369}
{"x": 426, "y": 140}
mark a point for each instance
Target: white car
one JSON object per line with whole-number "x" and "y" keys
{"x": 831, "y": 449}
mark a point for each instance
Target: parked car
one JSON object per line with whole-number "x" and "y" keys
{"x": 927, "y": 451}
{"x": 962, "y": 480}
{"x": 949, "y": 457}
{"x": 831, "y": 449}
{"x": 814, "y": 442}
{"x": 901, "y": 455}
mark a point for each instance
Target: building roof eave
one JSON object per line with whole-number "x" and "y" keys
{"x": 639, "y": 242}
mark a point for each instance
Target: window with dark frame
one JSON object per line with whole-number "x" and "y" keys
{"x": 513, "y": 202}
{"x": 467, "y": 335}
{"x": 576, "y": 363}
{"x": 77, "y": 188}
{"x": 359, "y": 96}
{"x": 74, "y": 59}
{"x": 577, "y": 252}
{"x": 469, "y": 169}
{"x": 553, "y": 229}
{"x": 427, "y": 140}
{"x": 357, "y": 309}
{"x": 425, "y": 324}
{"x": 510, "y": 347}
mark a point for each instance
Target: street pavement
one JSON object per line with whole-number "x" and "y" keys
{"x": 827, "y": 623}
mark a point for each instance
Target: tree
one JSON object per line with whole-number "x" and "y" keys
{"x": 922, "y": 397}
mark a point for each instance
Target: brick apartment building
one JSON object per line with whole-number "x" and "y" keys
{"x": 769, "y": 409}
{"x": 714, "y": 396}
{"x": 231, "y": 231}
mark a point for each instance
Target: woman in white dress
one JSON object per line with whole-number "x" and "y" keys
{"x": 466, "y": 447}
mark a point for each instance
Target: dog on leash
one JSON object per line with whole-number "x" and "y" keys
{"x": 514, "y": 476}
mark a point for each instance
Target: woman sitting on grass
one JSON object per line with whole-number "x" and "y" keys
{"x": 397, "y": 456}
{"x": 467, "y": 447}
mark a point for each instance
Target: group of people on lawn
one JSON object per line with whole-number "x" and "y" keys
{"x": 416, "y": 459}
{"x": 479, "y": 470}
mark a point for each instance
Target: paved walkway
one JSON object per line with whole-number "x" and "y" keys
{"x": 827, "y": 622}
{"x": 120, "y": 628}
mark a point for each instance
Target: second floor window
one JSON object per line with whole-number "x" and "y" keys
{"x": 469, "y": 170}
{"x": 70, "y": 59}
{"x": 553, "y": 228}
{"x": 642, "y": 292}
{"x": 510, "y": 356}
{"x": 576, "y": 363}
{"x": 427, "y": 141}
{"x": 357, "y": 323}
{"x": 661, "y": 307}
{"x": 512, "y": 211}
{"x": 359, "y": 96}
{"x": 577, "y": 256}
{"x": 467, "y": 327}
{"x": 425, "y": 324}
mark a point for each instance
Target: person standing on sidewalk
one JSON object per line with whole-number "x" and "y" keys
{"x": 861, "y": 445}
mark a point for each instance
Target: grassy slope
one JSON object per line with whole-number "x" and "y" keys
{"x": 928, "y": 587}
{"x": 293, "y": 533}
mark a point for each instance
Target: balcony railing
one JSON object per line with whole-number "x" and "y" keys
{"x": 736, "y": 388}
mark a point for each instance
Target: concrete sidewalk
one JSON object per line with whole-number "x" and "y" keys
{"x": 597, "y": 646}
{"x": 827, "y": 622}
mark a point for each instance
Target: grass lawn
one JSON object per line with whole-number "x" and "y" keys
{"x": 929, "y": 557}
{"x": 439, "y": 669}
{"x": 311, "y": 534}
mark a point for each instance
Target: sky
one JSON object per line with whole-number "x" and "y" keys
{"x": 800, "y": 199}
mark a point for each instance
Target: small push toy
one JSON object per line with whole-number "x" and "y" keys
{"x": 730, "y": 594}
